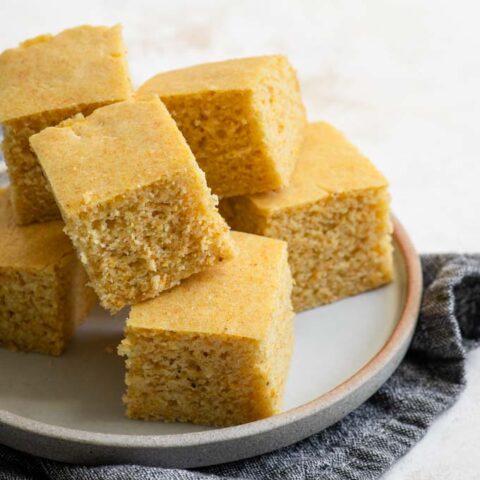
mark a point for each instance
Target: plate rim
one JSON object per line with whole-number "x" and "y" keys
{"x": 392, "y": 349}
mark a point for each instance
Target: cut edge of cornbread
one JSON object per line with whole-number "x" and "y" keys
{"x": 278, "y": 102}
{"x": 212, "y": 377}
{"x": 356, "y": 253}
{"x": 41, "y": 308}
{"x": 239, "y": 163}
{"x": 174, "y": 237}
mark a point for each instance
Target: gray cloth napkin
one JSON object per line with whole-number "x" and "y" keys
{"x": 368, "y": 441}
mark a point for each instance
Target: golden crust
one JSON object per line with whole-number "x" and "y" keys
{"x": 136, "y": 140}
{"x": 234, "y": 298}
{"x": 328, "y": 164}
{"x": 234, "y": 74}
{"x": 76, "y": 68}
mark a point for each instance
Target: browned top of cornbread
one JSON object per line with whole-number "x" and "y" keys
{"x": 237, "y": 297}
{"x": 328, "y": 164}
{"x": 81, "y": 66}
{"x": 236, "y": 74}
{"x": 32, "y": 247}
{"x": 118, "y": 148}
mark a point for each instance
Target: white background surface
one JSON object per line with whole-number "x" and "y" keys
{"x": 400, "y": 78}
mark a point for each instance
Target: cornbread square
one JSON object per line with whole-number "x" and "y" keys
{"x": 216, "y": 349}
{"x": 335, "y": 217}
{"x": 135, "y": 203}
{"x": 44, "y": 81}
{"x": 43, "y": 292}
{"x": 243, "y": 119}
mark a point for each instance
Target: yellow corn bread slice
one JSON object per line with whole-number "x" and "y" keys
{"x": 335, "y": 216}
{"x": 216, "y": 349}
{"x": 243, "y": 119}
{"x": 44, "y": 81}
{"x": 135, "y": 203}
{"x": 43, "y": 292}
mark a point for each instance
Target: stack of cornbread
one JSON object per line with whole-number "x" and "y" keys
{"x": 116, "y": 192}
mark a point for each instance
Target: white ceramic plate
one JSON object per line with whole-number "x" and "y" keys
{"x": 70, "y": 409}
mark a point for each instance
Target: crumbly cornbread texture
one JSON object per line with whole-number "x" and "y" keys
{"x": 216, "y": 349}
{"x": 243, "y": 119}
{"x": 43, "y": 292}
{"x": 334, "y": 215}
{"x": 135, "y": 203}
{"x": 44, "y": 81}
